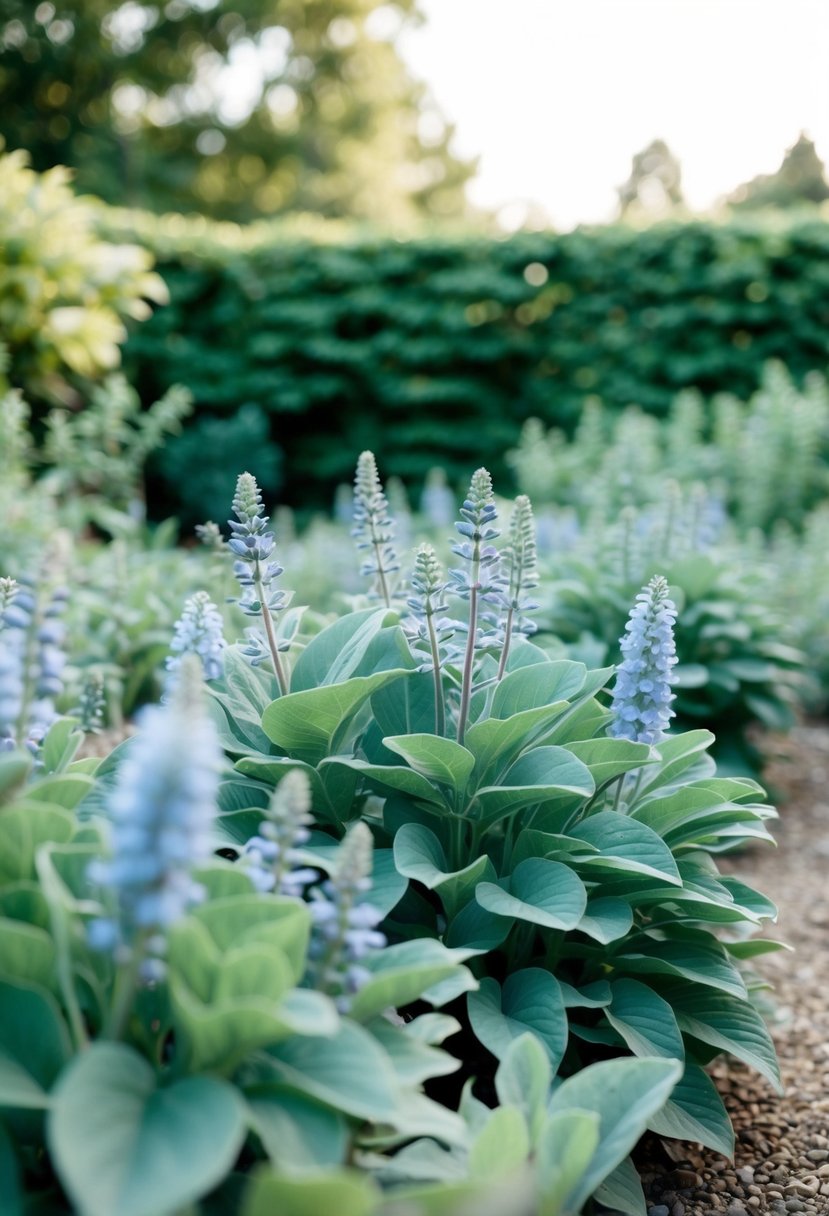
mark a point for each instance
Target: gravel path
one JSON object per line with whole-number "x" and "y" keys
{"x": 782, "y": 1156}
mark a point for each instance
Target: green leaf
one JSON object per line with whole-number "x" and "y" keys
{"x": 609, "y": 758}
{"x": 298, "y": 1134}
{"x": 497, "y": 740}
{"x": 538, "y": 685}
{"x": 678, "y": 753}
{"x": 523, "y": 1080}
{"x": 419, "y": 854}
{"x": 65, "y": 789}
{"x": 541, "y": 892}
{"x": 606, "y": 919}
{"x": 34, "y": 1046}
{"x": 702, "y": 962}
{"x": 441, "y": 760}
{"x": 27, "y": 954}
{"x": 728, "y": 1023}
{"x": 551, "y": 776}
{"x": 60, "y": 745}
{"x": 477, "y": 929}
{"x": 644, "y": 1020}
{"x": 347, "y": 1071}
{"x": 14, "y": 769}
{"x": 625, "y": 845}
{"x": 335, "y": 654}
{"x": 626, "y": 1094}
{"x": 23, "y": 828}
{"x": 622, "y": 1190}
{"x": 347, "y": 1193}
{"x": 695, "y": 1111}
{"x": 389, "y": 777}
{"x": 414, "y": 1060}
{"x": 502, "y": 1146}
{"x": 306, "y": 724}
{"x": 402, "y": 973}
{"x": 566, "y": 1146}
{"x": 121, "y": 1144}
{"x": 529, "y": 1000}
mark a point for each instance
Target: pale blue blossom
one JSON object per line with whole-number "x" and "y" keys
{"x": 642, "y": 695}
{"x": 272, "y": 859}
{"x": 199, "y": 631}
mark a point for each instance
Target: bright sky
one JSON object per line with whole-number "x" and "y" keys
{"x": 555, "y": 96}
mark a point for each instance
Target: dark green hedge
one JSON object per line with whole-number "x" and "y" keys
{"x": 436, "y": 350}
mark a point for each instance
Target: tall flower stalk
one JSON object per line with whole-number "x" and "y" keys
{"x": 162, "y": 811}
{"x": 520, "y": 561}
{"x": 374, "y": 527}
{"x": 344, "y": 924}
{"x": 427, "y": 601}
{"x": 200, "y": 631}
{"x": 272, "y": 859}
{"x": 31, "y": 662}
{"x": 642, "y": 696}
{"x": 481, "y": 580}
{"x": 253, "y": 544}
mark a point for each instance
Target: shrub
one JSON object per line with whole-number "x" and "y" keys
{"x": 64, "y": 293}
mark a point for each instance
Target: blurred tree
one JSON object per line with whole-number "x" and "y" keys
{"x": 235, "y": 108}
{"x": 800, "y": 179}
{"x": 655, "y": 183}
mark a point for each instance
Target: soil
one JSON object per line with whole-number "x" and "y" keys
{"x": 781, "y": 1162}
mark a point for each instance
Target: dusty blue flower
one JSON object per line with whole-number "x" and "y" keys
{"x": 162, "y": 811}
{"x": 273, "y": 859}
{"x": 252, "y": 543}
{"x": 642, "y": 695}
{"x": 344, "y": 931}
{"x": 91, "y": 704}
{"x": 31, "y": 663}
{"x": 199, "y": 631}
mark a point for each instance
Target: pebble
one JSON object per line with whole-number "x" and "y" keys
{"x": 661, "y": 1209}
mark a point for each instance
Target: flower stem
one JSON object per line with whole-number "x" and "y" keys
{"x": 469, "y": 657}
{"x": 269, "y": 630}
{"x": 440, "y": 709}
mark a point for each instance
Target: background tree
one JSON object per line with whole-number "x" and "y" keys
{"x": 800, "y": 179}
{"x": 654, "y": 186}
{"x": 322, "y": 114}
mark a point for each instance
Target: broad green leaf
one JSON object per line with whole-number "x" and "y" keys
{"x": 477, "y": 929}
{"x": 27, "y": 954}
{"x": 609, "y": 758}
{"x": 63, "y": 790}
{"x": 542, "y": 892}
{"x": 346, "y": 1193}
{"x": 298, "y": 1134}
{"x": 60, "y": 745}
{"x": 441, "y": 760}
{"x": 406, "y": 707}
{"x": 347, "y": 1071}
{"x": 389, "y": 777}
{"x": 678, "y": 753}
{"x": 547, "y": 775}
{"x": 625, "y": 845}
{"x": 34, "y": 1045}
{"x": 533, "y": 843}
{"x": 644, "y": 1020}
{"x": 606, "y": 919}
{"x": 502, "y": 1146}
{"x": 419, "y": 854}
{"x": 538, "y": 685}
{"x": 695, "y": 1111}
{"x": 271, "y": 769}
{"x": 566, "y": 1145}
{"x": 702, "y": 962}
{"x": 402, "y": 973}
{"x": 728, "y": 1023}
{"x": 23, "y": 828}
{"x": 592, "y": 996}
{"x": 14, "y": 769}
{"x": 306, "y": 724}
{"x": 335, "y": 654}
{"x": 755, "y": 947}
{"x": 529, "y": 1000}
{"x": 414, "y": 1060}
{"x": 523, "y": 1080}
{"x": 121, "y": 1144}
{"x": 622, "y": 1190}
{"x": 274, "y": 920}
{"x": 497, "y": 741}
{"x": 24, "y": 901}
{"x": 626, "y": 1094}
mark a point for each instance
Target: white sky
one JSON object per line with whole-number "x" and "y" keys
{"x": 555, "y": 96}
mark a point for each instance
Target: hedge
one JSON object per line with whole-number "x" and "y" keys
{"x": 435, "y": 350}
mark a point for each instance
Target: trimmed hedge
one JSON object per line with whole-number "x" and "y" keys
{"x": 437, "y": 349}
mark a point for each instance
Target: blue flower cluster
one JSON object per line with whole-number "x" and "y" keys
{"x": 162, "y": 811}
{"x": 31, "y": 663}
{"x": 273, "y": 859}
{"x": 642, "y": 695}
{"x": 199, "y": 631}
{"x": 484, "y": 575}
{"x": 344, "y": 924}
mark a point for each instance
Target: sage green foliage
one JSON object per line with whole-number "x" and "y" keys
{"x": 235, "y": 1088}
{"x": 64, "y": 292}
{"x": 578, "y": 869}
{"x": 348, "y": 341}
{"x": 766, "y": 460}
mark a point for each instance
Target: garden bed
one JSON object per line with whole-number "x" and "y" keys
{"x": 782, "y": 1156}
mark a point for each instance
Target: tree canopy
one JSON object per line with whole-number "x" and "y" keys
{"x": 800, "y": 179}
{"x": 234, "y": 108}
{"x": 654, "y": 186}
